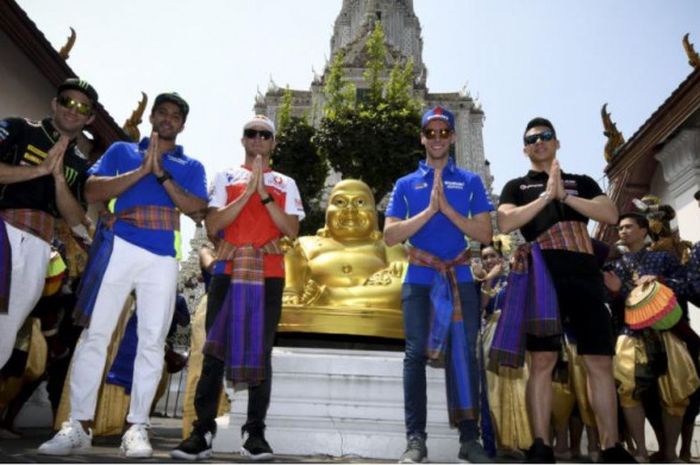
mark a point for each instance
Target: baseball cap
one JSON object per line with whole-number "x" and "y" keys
{"x": 81, "y": 86}
{"x": 260, "y": 120}
{"x": 438, "y": 113}
{"x": 173, "y": 97}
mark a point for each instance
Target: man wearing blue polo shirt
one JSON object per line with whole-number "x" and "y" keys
{"x": 436, "y": 208}
{"x": 136, "y": 248}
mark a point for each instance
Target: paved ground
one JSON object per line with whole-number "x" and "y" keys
{"x": 106, "y": 449}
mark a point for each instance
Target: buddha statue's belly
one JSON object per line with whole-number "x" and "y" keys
{"x": 345, "y": 268}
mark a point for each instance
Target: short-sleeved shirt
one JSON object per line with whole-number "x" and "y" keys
{"x": 26, "y": 143}
{"x": 464, "y": 191}
{"x": 254, "y": 225}
{"x": 188, "y": 173}
{"x": 523, "y": 190}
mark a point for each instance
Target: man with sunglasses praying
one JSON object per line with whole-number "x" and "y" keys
{"x": 436, "y": 208}
{"x": 42, "y": 175}
{"x": 136, "y": 248}
{"x": 251, "y": 207}
{"x": 552, "y": 209}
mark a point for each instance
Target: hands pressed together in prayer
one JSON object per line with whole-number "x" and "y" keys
{"x": 53, "y": 163}
{"x": 256, "y": 182}
{"x": 153, "y": 161}
{"x": 555, "y": 184}
{"x": 438, "y": 201}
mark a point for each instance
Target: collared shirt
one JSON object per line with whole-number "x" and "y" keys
{"x": 464, "y": 191}
{"x": 254, "y": 225}
{"x": 24, "y": 142}
{"x": 523, "y": 190}
{"x": 188, "y": 173}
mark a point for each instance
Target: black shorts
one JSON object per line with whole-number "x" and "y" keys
{"x": 583, "y": 313}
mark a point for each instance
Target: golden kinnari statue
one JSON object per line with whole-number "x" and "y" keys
{"x": 345, "y": 280}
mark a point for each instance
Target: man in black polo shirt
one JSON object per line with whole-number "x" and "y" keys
{"x": 551, "y": 209}
{"x": 42, "y": 174}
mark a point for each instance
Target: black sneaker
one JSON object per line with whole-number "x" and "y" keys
{"x": 473, "y": 452}
{"x": 256, "y": 448}
{"x": 195, "y": 447}
{"x": 539, "y": 452}
{"x": 616, "y": 454}
{"x": 416, "y": 451}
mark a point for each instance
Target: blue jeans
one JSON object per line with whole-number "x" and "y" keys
{"x": 415, "y": 299}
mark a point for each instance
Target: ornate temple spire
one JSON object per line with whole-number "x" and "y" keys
{"x": 402, "y": 29}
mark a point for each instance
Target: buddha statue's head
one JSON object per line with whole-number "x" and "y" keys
{"x": 351, "y": 214}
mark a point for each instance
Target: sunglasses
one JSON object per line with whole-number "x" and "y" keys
{"x": 253, "y": 133}
{"x": 546, "y": 136}
{"x": 82, "y": 108}
{"x": 439, "y": 133}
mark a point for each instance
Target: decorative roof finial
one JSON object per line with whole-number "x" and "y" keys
{"x": 615, "y": 137}
{"x": 65, "y": 50}
{"x": 693, "y": 57}
{"x": 131, "y": 125}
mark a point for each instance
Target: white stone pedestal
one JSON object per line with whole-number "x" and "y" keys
{"x": 341, "y": 403}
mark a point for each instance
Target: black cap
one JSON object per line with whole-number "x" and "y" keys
{"x": 79, "y": 85}
{"x": 173, "y": 97}
{"x": 697, "y": 195}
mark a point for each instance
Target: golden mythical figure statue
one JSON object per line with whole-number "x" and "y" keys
{"x": 345, "y": 280}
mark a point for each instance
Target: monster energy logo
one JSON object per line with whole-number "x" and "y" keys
{"x": 82, "y": 84}
{"x": 71, "y": 175}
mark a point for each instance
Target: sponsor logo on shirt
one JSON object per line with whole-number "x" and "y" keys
{"x": 524, "y": 187}
{"x": 420, "y": 185}
{"x": 454, "y": 185}
{"x": 177, "y": 160}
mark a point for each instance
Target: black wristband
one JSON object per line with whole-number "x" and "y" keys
{"x": 267, "y": 199}
{"x": 164, "y": 177}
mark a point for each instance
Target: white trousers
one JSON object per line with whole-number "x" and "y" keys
{"x": 154, "y": 278}
{"x": 30, "y": 259}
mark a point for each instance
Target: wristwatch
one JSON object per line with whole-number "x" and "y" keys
{"x": 164, "y": 177}
{"x": 267, "y": 199}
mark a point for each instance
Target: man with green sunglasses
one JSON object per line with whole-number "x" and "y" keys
{"x": 42, "y": 174}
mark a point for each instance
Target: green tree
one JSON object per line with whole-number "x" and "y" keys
{"x": 296, "y": 155}
{"x": 376, "y": 139}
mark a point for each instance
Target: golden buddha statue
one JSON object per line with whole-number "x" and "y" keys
{"x": 345, "y": 279}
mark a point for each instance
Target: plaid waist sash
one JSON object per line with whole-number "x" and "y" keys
{"x": 147, "y": 217}
{"x": 237, "y": 335}
{"x": 530, "y": 306}
{"x": 446, "y": 341}
{"x": 34, "y": 222}
{"x": 566, "y": 235}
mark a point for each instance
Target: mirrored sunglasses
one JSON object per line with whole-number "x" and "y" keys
{"x": 82, "y": 108}
{"x": 440, "y": 133}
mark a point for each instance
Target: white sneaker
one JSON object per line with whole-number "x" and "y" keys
{"x": 69, "y": 439}
{"x": 135, "y": 443}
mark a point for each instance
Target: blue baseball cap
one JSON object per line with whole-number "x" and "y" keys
{"x": 440, "y": 114}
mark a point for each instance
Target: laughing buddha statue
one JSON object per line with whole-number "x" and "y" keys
{"x": 345, "y": 279}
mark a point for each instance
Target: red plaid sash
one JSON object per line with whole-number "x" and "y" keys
{"x": 148, "y": 217}
{"x": 36, "y": 222}
{"x": 566, "y": 235}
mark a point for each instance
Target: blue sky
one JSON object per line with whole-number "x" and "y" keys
{"x": 561, "y": 59}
